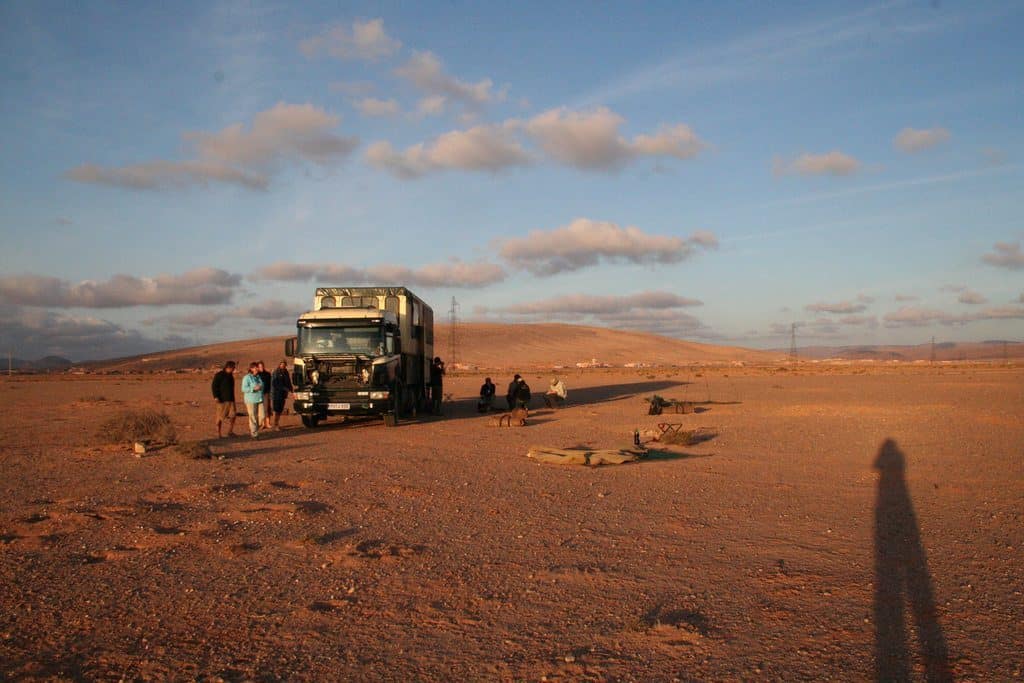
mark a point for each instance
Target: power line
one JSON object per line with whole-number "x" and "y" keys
{"x": 453, "y": 333}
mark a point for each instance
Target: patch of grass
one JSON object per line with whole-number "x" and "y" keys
{"x": 138, "y": 425}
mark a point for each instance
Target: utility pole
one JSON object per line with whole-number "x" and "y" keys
{"x": 933, "y": 350}
{"x": 792, "y": 342}
{"x": 453, "y": 333}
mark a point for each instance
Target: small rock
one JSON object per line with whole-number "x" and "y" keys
{"x": 140, "y": 448}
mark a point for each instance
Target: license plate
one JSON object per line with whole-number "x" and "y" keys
{"x": 338, "y": 406}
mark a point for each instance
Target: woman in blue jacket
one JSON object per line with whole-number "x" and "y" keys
{"x": 252, "y": 393}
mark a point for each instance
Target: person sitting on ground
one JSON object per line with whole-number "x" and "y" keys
{"x": 486, "y": 396}
{"x": 510, "y": 397}
{"x": 281, "y": 386}
{"x": 556, "y": 394}
{"x": 522, "y": 398}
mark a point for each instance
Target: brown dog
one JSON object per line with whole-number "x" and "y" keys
{"x": 518, "y": 416}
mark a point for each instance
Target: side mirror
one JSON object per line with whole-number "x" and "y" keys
{"x": 289, "y": 347}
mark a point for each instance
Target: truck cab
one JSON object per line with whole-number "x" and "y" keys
{"x": 350, "y": 357}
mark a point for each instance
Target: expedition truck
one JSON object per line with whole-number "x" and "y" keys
{"x": 362, "y": 351}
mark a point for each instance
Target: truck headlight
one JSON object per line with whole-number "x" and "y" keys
{"x": 378, "y": 395}
{"x": 314, "y": 377}
{"x": 302, "y": 395}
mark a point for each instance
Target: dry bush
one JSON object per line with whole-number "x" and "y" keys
{"x": 138, "y": 425}
{"x": 200, "y": 450}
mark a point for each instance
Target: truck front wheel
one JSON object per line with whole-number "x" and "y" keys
{"x": 310, "y": 421}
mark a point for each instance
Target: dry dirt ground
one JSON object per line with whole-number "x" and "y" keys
{"x": 842, "y": 525}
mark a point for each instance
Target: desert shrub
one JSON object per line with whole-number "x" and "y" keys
{"x": 93, "y": 399}
{"x": 138, "y": 425}
{"x": 200, "y": 450}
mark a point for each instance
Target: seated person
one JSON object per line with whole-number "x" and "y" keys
{"x": 486, "y": 396}
{"x": 556, "y": 394}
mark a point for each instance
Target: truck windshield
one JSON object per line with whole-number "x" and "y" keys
{"x": 363, "y": 339}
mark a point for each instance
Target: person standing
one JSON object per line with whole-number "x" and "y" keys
{"x": 281, "y": 386}
{"x": 513, "y": 387}
{"x": 486, "y": 396}
{"x": 267, "y": 380}
{"x": 436, "y": 384}
{"x": 252, "y": 394}
{"x": 223, "y": 387}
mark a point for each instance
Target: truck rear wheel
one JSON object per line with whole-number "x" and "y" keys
{"x": 310, "y": 421}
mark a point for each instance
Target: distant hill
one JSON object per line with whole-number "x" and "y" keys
{"x": 46, "y": 364}
{"x": 485, "y": 345}
{"x": 986, "y": 350}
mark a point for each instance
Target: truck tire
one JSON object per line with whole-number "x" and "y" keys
{"x": 390, "y": 420}
{"x": 310, "y": 421}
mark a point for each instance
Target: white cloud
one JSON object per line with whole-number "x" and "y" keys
{"x": 353, "y": 88}
{"x": 591, "y": 139}
{"x": 271, "y": 311}
{"x": 202, "y": 286}
{"x": 365, "y": 40}
{"x": 969, "y": 296}
{"x": 35, "y": 333}
{"x": 585, "y": 242}
{"x": 425, "y": 71}
{"x": 831, "y": 163}
{"x": 454, "y": 274}
{"x": 484, "y": 148}
{"x": 1005, "y": 255}
{"x": 859, "y": 320}
{"x": 370, "y": 106}
{"x": 592, "y": 304}
{"x": 839, "y": 307}
{"x": 919, "y": 317}
{"x": 432, "y": 105}
{"x": 285, "y": 133}
{"x": 915, "y": 140}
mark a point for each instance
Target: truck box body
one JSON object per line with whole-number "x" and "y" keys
{"x": 362, "y": 351}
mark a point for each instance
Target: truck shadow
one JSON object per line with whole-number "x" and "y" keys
{"x": 902, "y": 580}
{"x": 465, "y": 407}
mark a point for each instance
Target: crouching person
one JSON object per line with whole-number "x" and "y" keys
{"x": 556, "y": 394}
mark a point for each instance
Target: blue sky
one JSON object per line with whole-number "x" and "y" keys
{"x": 713, "y": 171}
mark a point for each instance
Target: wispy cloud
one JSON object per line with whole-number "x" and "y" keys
{"x": 775, "y": 52}
{"x": 454, "y": 274}
{"x": 363, "y": 40}
{"x": 1005, "y": 255}
{"x": 426, "y": 72}
{"x": 484, "y": 148}
{"x": 585, "y": 242}
{"x": 283, "y": 134}
{"x": 912, "y": 140}
{"x": 895, "y": 185}
{"x": 202, "y": 286}
{"x": 829, "y": 163}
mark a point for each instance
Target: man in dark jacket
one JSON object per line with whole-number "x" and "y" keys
{"x": 436, "y": 384}
{"x": 223, "y": 387}
{"x": 522, "y": 394}
{"x": 280, "y": 387}
{"x": 513, "y": 387}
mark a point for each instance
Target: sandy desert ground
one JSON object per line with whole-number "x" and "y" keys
{"x": 844, "y": 524}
